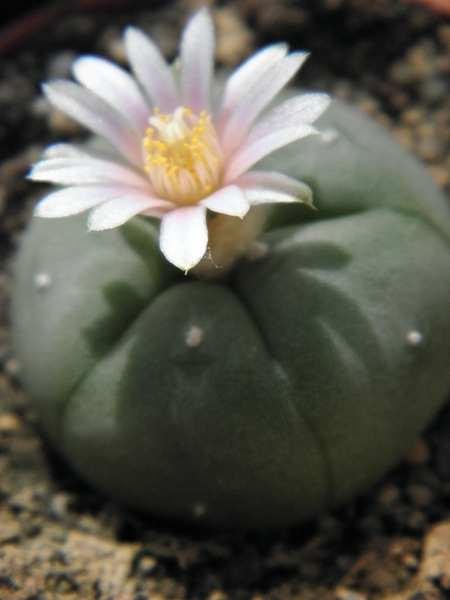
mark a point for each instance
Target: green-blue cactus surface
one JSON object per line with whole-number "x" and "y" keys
{"x": 264, "y": 400}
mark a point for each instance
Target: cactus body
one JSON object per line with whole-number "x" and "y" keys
{"x": 264, "y": 400}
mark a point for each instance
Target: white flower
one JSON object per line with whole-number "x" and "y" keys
{"x": 179, "y": 160}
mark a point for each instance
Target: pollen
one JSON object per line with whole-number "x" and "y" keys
{"x": 182, "y": 156}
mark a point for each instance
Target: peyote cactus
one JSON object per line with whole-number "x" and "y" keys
{"x": 266, "y": 399}
{"x": 277, "y": 392}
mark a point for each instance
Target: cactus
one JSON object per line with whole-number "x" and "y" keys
{"x": 264, "y": 399}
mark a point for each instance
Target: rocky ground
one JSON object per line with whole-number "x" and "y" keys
{"x": 60, "y": 539}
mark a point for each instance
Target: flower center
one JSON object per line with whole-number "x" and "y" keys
{"x": 182, "y": 156}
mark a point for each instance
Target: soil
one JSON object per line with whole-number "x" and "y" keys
{"x": 60, "y": 539}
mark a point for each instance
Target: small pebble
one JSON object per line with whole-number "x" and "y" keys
{"x": 425, "y": 130}
{"x": 329, "y": 524}
{"x": 404, "y": 136}
{"x": 235, "y": 41}
{"x": 111, "y": 43}
{"x": 10, "y": 531}
{"x": 441, "y": 117}
{"x": 429, "y": 149}
{"x": 199, "y": 510}
{"x": 217, "y": 595}
{"x": 419, "y": 495}
{"x": 40, "y": 107}
{"x": 419, "y": 454}
{"x": 369, "y": 106}
{"x": 169, "y": 587}
{"x": 116, "y": 51}
{"x": 10, "y": 423}
{"x": 401, "y": 73}
{"x": 60, "y": 65}
{"x": 342, "y": 89}
{"x": 156, "y": 596}
{"x": 12, "y": 367}
{"x": 311, "y": 571}
{"x": 59, "y": 505}
{"x": 61, "y": 124}
{"x": 146, "y": 565}
{"x": 420, "y": 58}
{"x": 410, "y": 562}
{"x": 60, "y": 583}
{"x": 389, "y": 496}
{"x": 433, "y": 90}
{"x": 371, "y": 525}
{"x": 440, "y": 174}
{"x": 443, "y": 34}
{"x": 344, "y": 562}
{"x": 416, "y": 521}
{"x": 383, "y": 120}
{"x": 346, "y": 594}
{"x": 75, "y": 29}
{"x": 412, "y": 116}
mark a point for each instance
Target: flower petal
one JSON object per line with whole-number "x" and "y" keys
{"x": 257, "y": 98}
{"x": 303, "y": 109}
{"x": 86, "y": 170}
{"x": 76, "y": 199}
{"x": 91, "y": 111}
{"x": 62, "y": 150}
{"x": 151, "y": 70}
{"x": 184, "y": 236}
{"x": 115, "y": 86}
{"x": 197, "y": 61}
{"x": 229, "y": 200}
{"x": 250, "y": 153}
{"x": 118, "y": 211}
{"x": 267, "y": 186}
{"x": 245, "y": 77}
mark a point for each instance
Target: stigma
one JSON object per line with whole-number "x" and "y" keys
{"x": 182, "y": 156}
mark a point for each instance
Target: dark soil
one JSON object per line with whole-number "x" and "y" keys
{"x": 60, "y": 539}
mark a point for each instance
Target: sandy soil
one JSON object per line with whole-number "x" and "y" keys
{"x": 60, "y": 539}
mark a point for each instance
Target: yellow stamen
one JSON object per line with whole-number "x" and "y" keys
{"x": 182, "y": 155}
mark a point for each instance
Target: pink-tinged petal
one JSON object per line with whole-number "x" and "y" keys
{"x": 151, "y": 70}
{"x": 115, "y": 86}
{"x": 73, "y": 200}
{"x": 91, "y": 111}
{"x": 197, "y": 61}
{"x": 118, "y": 211}
{"x": 245, "y": 77}
{"x": 86, "y": 170}
{"x": 259, "y": 184}
{"x": 267, "y": 196}
{"x": 301, "y": 110}
{"x": 62, "y": 150}
{"x": 229, "y": 200}
{"x": 250, "y": 153}
{"x": 257, "y": 98}
{"x": 159, "y": 210}
{"x": 184, "y": 236}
